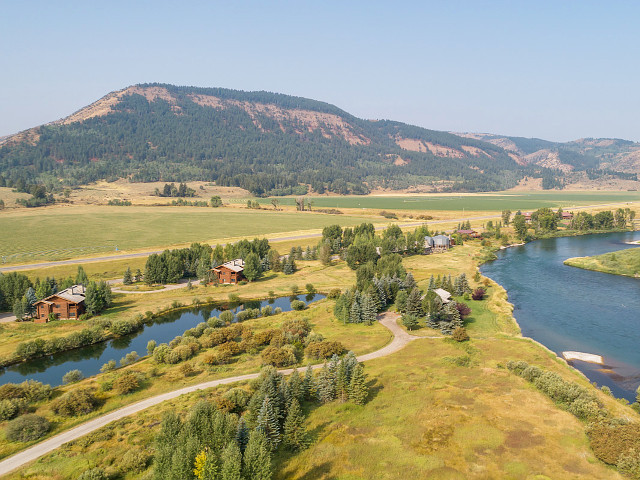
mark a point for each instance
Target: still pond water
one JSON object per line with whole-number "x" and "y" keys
{"x": 90, "y": 359}
{"x": 567, "y": 308}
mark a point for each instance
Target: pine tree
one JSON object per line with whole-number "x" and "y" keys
{"x": 307, "y": 253}
{"x": 31, "y": 299}
{"x": 409, "y": 282}
{"x": 358, "y": 390}
{"x": 295, "y": 385}
{"x": 355, "y": 314}
{"x": 295, "y": 433}
{"x": 325, "y": 387}
{"x": 205, "y": 466}
{"x": 138, "y": 275}
{"x": 231, "y": 460}
{"x": 127, "y": 280}
{"x": 81, "y": 276}
{"x": 252, "y": 268}
{"x": 242, "y": 434}
{"x": 308, "y": 384}
{"x": 414, "y": 303}
{"x": 432, "y": 283}
{"x": 369, "y": 311}
{"x": 257, "y": 458}
{"x": 268, "y": 423}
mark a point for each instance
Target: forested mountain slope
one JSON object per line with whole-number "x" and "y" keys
{"x": 265, "y": 142}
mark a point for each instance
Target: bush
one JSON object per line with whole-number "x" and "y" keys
{"x": 310, "y": 288}
{"x": 215, "y": 322}
{"x": 121, "y": 327}
{"x": 324, "y": 349}
{"x": 8, "y": 409}
{"x": 216, "y": 358}
{"x": 478, "y": 293}
{"x": 126, "y": 383}
{"x": 135, "y": 460}
{"x": 75, "y": 402}
{"x": 129, "y": 358}
{"x": 266, "y": 311}
{"x": 278, "y": 356}
{"x": 460, "y": 334}
{"x": 238, "y": 398}
{"x": 93, "y": 474}
{"x": 72, "y": 376}
{"x": 298, "y": 305}
{"x": 463, "y": 309}
{"x": 334, "y": 293}
{"x": 226, "y": 316}
{"x": 27, "y": 428}
{"x": 263, "y": 337}
{"x": 296, "y": 327}
{"x": 611, "y": 439}
{"x": 629, "y": 463}
{"x": 410, "y": 321}
{"x": 277, "y": 311}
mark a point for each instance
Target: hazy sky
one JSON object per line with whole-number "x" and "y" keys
{"x": 558, "y": 70}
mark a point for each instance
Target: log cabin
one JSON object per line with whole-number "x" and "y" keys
{"x": 66, "y": 304}
{"x": 229, "y": 272}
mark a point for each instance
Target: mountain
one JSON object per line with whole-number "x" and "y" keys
{"x": 593, "y": 158}
{"x": 268, "y": 143}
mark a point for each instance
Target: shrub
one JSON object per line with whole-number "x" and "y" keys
{"x": 216, "y": 358}
{"x": 215, "y": 322}
{"x": 72, "y": 376}
{"x": 310, "y": 288}
{"x": 267, "y": 311}
{"x": 135, "y": 460}
{"x": 129, "y": 358}
{"x": 278, "y": 356}
{"x": 93, "y": 474}
{"x": 126, "y": 383}
{"x": 294, "y": 289}
{"x": 226, "y": 316}
{"x": 410, "y": 321}
{"x": 27, "y": 428}
{"x": 463, "y": 309}
{"x": 629, "y": 463}
{"x": 161, "y": 353}
{"x": 460, "y": 334}
{"x": 187, "y": 369}
{"x": 8, "y": 409}
{"x": 263, "y": 337}
{"x": 611, "y": 439}
{"x": 531, "y": 373}
{"x": 75, "y": 402}
{"x": 121, "y": 327}
{"x": 298, "y": 305}
{"x": 238, "y": 398}
{"x": 296, "y": 327}
{"x": 324, "y": 349}
{"x": 151, "y": 346}
{"x": 277, "y": 311}
{"x": 478, "y": 293}
{"x": 334, "y": 293}
{"x": 243, "y": 315}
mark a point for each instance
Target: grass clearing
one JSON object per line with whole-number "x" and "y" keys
{"x": 622, "y": 262}
{"x": 66, "y": 232}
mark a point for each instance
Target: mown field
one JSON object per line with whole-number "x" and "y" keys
{"x": 485, "y": 202}
{"x": 56, "y": 233}
{"x": 623, "y": 262}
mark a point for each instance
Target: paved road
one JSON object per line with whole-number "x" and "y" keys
{"x": 388, "y": 319}
{"x": 32, "y": 266}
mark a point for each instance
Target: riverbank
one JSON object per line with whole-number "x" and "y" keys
{"x": 622, "y": 262}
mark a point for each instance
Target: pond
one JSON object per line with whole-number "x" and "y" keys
{"x": 89, "y": 360}
{"x": 570, "y": 309}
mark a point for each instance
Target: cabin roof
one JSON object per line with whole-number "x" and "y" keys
{"x": 73, "y": 294}
{"x": 236, "y": 265}
{"x": 443, "y": 294}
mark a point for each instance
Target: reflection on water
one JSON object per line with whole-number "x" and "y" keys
{"x": 567, "y": 308}
{"x": 90, "y": 359}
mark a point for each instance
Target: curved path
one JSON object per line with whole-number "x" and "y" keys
{"x": 173, "y": 286}
{"x": 388, "y": 319}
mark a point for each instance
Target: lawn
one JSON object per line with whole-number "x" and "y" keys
{"x": 623, "y": 262}
{"x": 494, "y": 202}
{"x": 28, "y": 235}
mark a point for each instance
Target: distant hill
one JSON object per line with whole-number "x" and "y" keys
{"x": 595, "y": 158}
{"x": 272, "y": 144}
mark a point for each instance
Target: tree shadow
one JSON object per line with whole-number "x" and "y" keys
{"x": 374, "y": 389}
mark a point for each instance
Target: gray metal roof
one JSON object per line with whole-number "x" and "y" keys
{"x": 441, "y": 240}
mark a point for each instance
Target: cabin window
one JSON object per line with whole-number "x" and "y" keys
{"x": 72, "y": 314}
{"x": 57, "y": 305}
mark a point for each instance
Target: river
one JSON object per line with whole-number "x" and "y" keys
{"x": 567, "y": 308}
{"x": 89, "y": 360}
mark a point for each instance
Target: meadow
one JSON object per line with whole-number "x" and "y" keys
{"x": 69, "y": 232}
{"x": 623, "y": 262}
{"x": 481, "y": 202}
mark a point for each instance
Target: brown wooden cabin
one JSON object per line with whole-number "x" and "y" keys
{"x": 66, "y": 304}
{"x": 230, "y": 272}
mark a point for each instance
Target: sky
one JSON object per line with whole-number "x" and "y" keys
{"x": 547, "y": 69}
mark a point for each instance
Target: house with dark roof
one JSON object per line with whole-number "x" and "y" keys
{"x": 229, "y": 272}
{"x": 66, "y": 304}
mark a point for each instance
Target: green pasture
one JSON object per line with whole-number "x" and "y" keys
{"x": 67, "y": 233}
{"x": 479, "y": 203}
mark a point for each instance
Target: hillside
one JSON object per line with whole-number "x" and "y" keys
{"x": 586, "y": 159}
{"x": 267, "y": 143}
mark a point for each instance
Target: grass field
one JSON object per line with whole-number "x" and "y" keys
{"x": 623, "y": 262}
{"x": 488, "y": 202}
{"x": 56, "y": 233}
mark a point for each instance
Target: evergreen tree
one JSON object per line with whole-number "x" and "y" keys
{"x": 30, "y": 300}
{"x": 307, "y": 253}
{"x": 325, "y": 387}
{"x": 324, "y": 254}
{"x": 308, "y": 384}
{"x": 414, "y": 303}
{"x": 295, "y": 385}
{"x": 401, "y": 301}
{"x": 355, "y": 314}
{"x": 295, "y": 433}
{"x": 242, "y": 434}
{"x": 205, "y": 466}
{"x": 358, "y": 389}
{"x": 127, "y": 280}
{"x": 410, "y": 321}
{"x": 298, "y": 255}
{"x": 231, "y": 460}
{"x": 368, "y": 309}
{"x": 138, "y": 275}
{"x": 43, "y": 290}
{"x": 252, "y": 268}
{"x": 268, "y": 423}
{"x": 19, "y": 309}
{"x": 257, "y": 458}
{"x": 81, "y": 276}
{"x": 409, "y": 282}
{"x": 432, "y": 283}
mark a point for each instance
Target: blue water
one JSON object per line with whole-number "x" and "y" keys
{"x": 90, "y": 359}
{"x": 567, "y": 308}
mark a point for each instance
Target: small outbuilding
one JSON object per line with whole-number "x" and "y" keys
{"x": 229, "y": 272}
{"x": 66, "y": 304}
{"x": 428, "y": 244}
